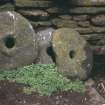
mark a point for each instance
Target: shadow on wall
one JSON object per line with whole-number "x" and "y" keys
{"x": 62, "y": 3}
{"x": 2, "y": 2}
{"x": 99, "y": 65}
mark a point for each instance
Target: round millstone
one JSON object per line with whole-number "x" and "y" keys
{"x": 46, "y": 55}
{"x": 73, "y": 54}
{"x": 18, "y": 45}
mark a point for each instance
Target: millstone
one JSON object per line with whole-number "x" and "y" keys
{"x": 18, "y": 46}
{"x": 46, "y": 55}
{"x": 73, "y": 54}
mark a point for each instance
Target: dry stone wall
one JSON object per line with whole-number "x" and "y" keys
{"x": 85, "y": 16}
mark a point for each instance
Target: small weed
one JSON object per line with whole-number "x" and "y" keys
{"x": 43, "y": 79}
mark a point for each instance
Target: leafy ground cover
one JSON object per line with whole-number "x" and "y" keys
{"x": 43, "y": 79}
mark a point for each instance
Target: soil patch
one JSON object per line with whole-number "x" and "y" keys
{"x": 11, "y": 94}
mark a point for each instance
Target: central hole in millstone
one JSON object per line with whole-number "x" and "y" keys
{"x": 72, "y": 54}
{"x": 9, "y": 41}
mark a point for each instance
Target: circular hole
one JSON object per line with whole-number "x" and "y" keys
{"x": 9, "y": 41}
{"x": 72, "y": 54}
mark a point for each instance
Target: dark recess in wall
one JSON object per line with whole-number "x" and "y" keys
{"x": 6, "y": 1}
{"x": 62, "y": 3}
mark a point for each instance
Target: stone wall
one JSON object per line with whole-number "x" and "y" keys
{"x": 85, "y": 16}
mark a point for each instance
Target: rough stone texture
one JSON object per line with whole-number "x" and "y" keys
{"x": 33, "y": 3}
{"x": 87, "y": 10}
{"x": 38, "y": 24}
{"x": 73, "y": 54}
{"x": 35, "y": 14}
{"x": 65, "y": 17}
{"x": 18, "y": 45}
{"x": 98, "y": 20}
{"x": 95, "y": 38}
{"x": 56, "y": 10}
{"x": 85, "y": 16}
{"x": 64, "y": 23}
{"x": 46, "y": 55}
{"x": 95, "y": 97}
{"x": 87, "y": 2}
{"x": 90, "y": 29}
{"x": 6, "y": 5}
{"x": 81, "y": 17}
{"x": 84, "y": 24}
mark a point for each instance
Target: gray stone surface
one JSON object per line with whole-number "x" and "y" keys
{"x": 81, "y": 17}
{"x": 64, "y": 23}
{"x": 46, "y": 55}
{"x": 6, "y": 7}
{"x": 87, "y": 2}
{"x": 56, "y": 10}
{"x": 84, "y": 24}
{"x": 65, "y": 17}
{"x": 95, "y": 97}
{"x": 33, "y": 3}
{"x": 35, "y": 14}
{"x": 18, "y": 45}
{"x": 38, "y": 24}
{"x": 84, "y": 16}
{"x": 87, "y": 10}
{"x": 98, "y": 20}
{"x": 90, "y": 29}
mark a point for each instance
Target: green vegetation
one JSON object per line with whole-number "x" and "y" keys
{"x": 41, "y": 78}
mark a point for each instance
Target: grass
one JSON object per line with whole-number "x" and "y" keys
{"x": 43, "y": 79}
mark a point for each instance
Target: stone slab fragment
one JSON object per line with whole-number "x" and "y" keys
{"x": 64, "y": 23}
{"x": 37, "y": 24}
{"x": 33, "y": 3}
{"x": 6, "y": 7}
{"x": 87, "y": 2}
{"x": 87, "y": 10}
{"x": 35, "y": 14}
{"x": 98, "y": 20}
{"x": 57, "y": 10}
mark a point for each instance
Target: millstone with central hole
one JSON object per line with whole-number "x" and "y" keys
{"x": 46, "y": 55}
{"x": 73, "y": 54}
{"x": 18, "y": 46}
